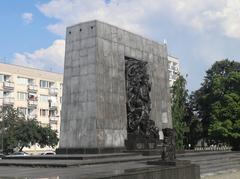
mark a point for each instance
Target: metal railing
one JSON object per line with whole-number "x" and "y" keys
{"x": 209, "y": 148}
{"x": 32, "y": 87}
{"x": 8, "y": 100}
{"x": 53, "y": 119}
{"x": 8, "y": 85}
{"x": 32, "y": 116}
{"x": 32, "y": 102}
{"x": 53, "y": 106}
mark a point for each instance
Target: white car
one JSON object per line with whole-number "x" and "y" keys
{"x": 18, "y": 154}
{"x": 48, "y": 153}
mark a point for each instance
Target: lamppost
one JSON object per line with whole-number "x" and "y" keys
{"x": 2, "y": 131}
{"x": 2, "y": 124}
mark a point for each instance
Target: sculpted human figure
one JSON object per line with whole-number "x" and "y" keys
{"x": 169, "y": 144}
{"x": 138, "y": 100}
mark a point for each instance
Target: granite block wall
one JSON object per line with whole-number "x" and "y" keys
{"x": 94, "y": 94}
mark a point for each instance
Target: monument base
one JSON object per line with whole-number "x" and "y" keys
{"x": 98, "y": 166}
{"x": 135, "y": 142}
{"x": 179, "y": 169}
{"x": 169, "y": 162}
{"x": 188, "y": 171}
{"x": 89, "y": 150}
{"x": 146, "y": 152}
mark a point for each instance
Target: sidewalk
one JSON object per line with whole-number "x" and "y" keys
{"x": 234, "y": 174}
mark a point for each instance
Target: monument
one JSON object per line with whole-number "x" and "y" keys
{"x": 115, "y": 98}
{"x": 115, "y": 90}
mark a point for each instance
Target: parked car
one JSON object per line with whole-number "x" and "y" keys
{"x": 2, "y": 155}
{"x": 18, "y": 154}
{"x": 48, "y": 153}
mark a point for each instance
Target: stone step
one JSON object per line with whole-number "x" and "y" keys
{"x": 218, "y": 163}
{"x": 213, "y": 161}
{"x": 235, "y": 163}
{"x": 206, "y": 153}
{"x": 70, "y": 163}
{"x": 72, "y": 156}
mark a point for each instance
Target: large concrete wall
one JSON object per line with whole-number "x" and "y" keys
{"x": 94, "y": 94}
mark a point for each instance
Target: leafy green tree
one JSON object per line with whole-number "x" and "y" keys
{"x": 179, "y": 107}
{"x": 48, "y": 137}
{"x": 18, "y": 132}
{"x": 26, "y": 133}
{"x": 194, "y": 126}
{"x": 10, "y": 118}
{"x": 218, "y": 103}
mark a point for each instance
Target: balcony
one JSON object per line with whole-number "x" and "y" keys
{"x": 32, "y": 103}
{"x": 53, "y": 91}
{"x": 53, "y": 119}
{"x": 8, "y": 85}
{"x": 32, "y": 88}
{"x": 8, "y": 101}
{"x": 32, "y": 116}
{"x": 53, "y": 106}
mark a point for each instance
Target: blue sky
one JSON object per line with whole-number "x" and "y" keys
{"x": 18, "y": 36}
{"x": 197, "y": 32}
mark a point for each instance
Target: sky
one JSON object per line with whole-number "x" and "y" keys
{"x": 197, "y": 32}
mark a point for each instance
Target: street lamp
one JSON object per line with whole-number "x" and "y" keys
{"x": 2, "y": 131}
{"x": 2, "y": 127}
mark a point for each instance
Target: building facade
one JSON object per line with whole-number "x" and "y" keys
{"x": 173, "y": 69}
{"x": 36, "y": 93}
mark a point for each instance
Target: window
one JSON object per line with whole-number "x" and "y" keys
{"x": 46, "y": 84}
{"x": 22, "y": 80}
{"x": 32, "y": 111}
{"x": 21, "y": 96}
{"x": 169, "y": 65}
{"x": 44, "y": 112}
{"x": 23, "y": 110}
{"x": 31, "y": 81}
{"x": 43, "y": 98}
{"x": 32, "y": 96}
{"x": 7, "y": 78}
{"x": 52, "y": 113}
{"x": 51, "y": 84}
{"x": 1, "y": 78}
{"x": 7, "y": 94}
{"x": 43, "y": 84}
{"x": 53, "y": 101}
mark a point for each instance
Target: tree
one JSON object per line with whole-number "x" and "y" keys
{"x": 48, "y": 137}
{"x": 179, "y": 107}
{"x": 10, "y": 119}
{"x": 194, "y": 126}
{"x": 218, "y": 103}
{"x": 19, "y": 132}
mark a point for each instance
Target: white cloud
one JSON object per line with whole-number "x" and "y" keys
{"x": 45, "y": 58}
{"x": 27, "y": 17}
{"x": 124, "y": 13}
{"x": 213, "y": 15}
{"x": 223, "y": 15}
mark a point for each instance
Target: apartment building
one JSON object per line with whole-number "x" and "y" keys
{"x": 173, "y": 69}
{"x": 36, "y": 93}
